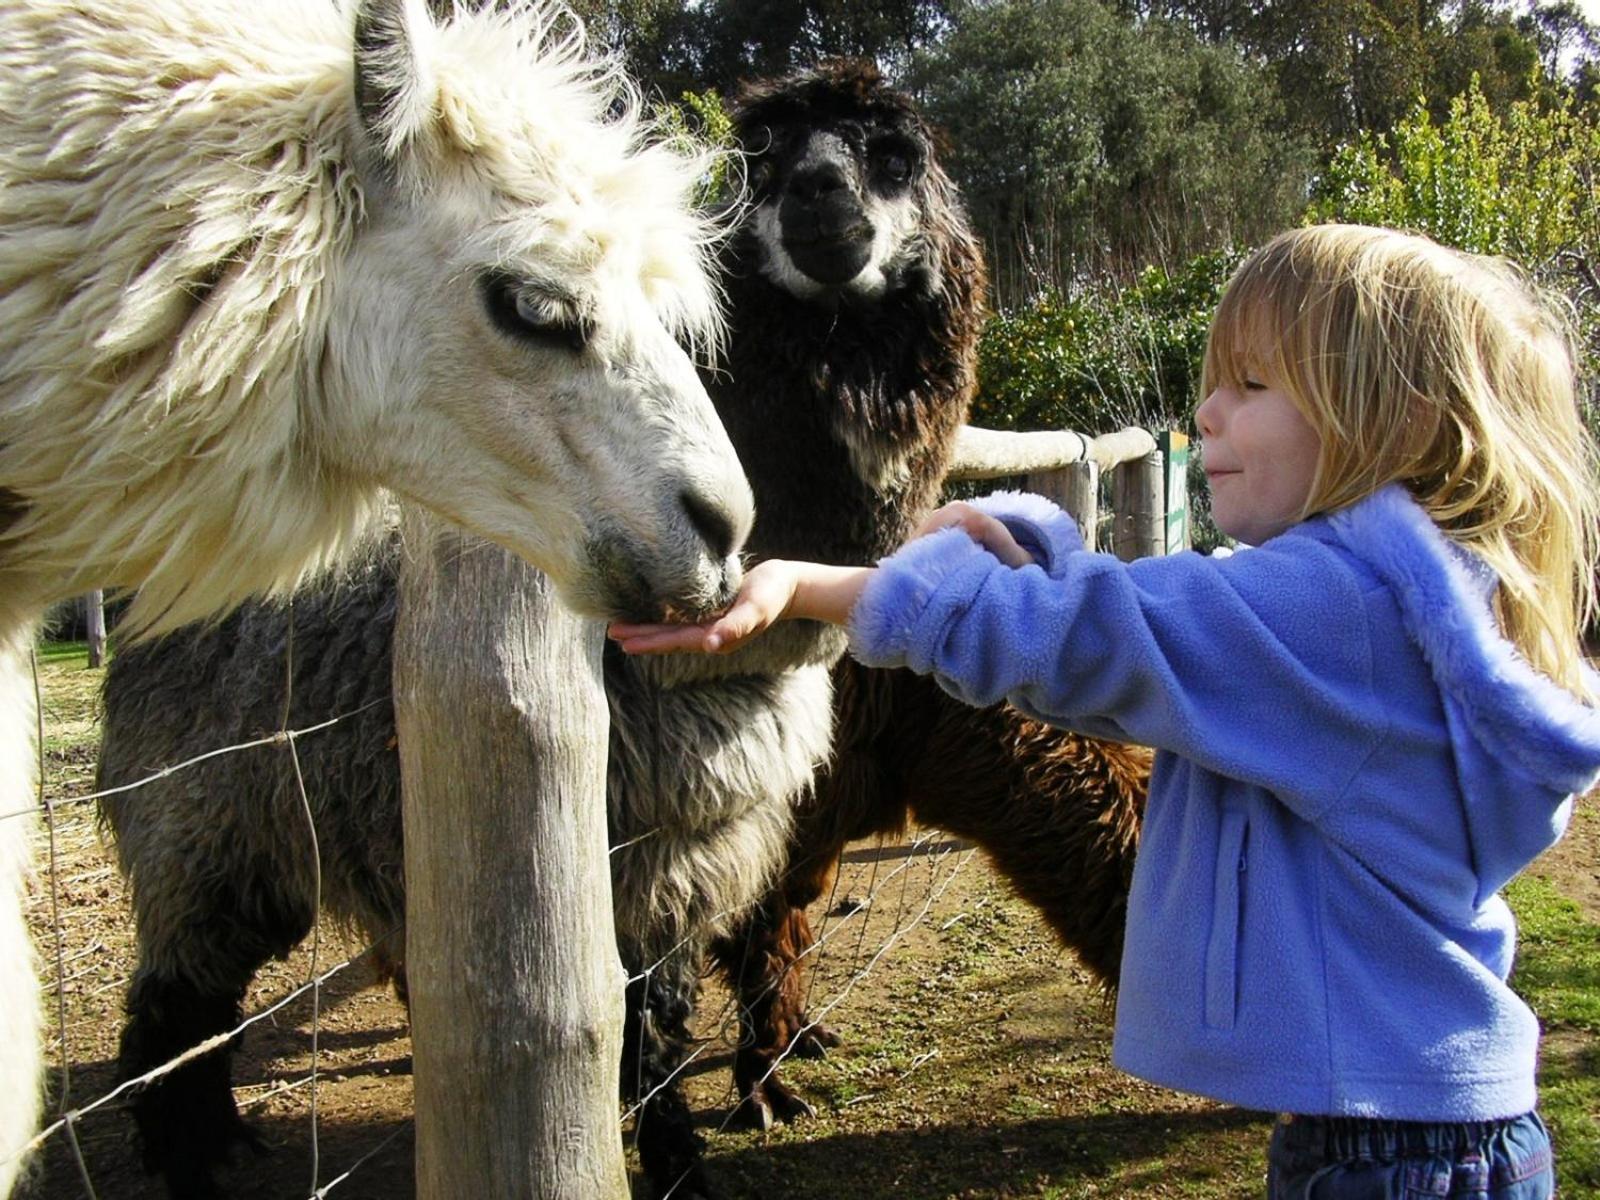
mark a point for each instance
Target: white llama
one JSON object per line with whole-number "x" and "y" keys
{"x": 260, "y": 259}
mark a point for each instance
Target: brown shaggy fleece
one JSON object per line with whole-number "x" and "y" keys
{"x": 1058, "y": 814}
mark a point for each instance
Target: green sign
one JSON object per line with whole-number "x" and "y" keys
{"x": 1174, "y": 449}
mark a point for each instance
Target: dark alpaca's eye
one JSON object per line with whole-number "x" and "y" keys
{"x": 893, "y": 160}
{"x": 761, "y": 173}
{"x": 531, "y": 313}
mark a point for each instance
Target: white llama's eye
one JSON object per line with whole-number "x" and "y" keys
{"x": 532, "y": 313}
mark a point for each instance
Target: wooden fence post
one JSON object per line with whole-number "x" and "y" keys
{"x": 94, "y": 620}
{"x": 516, "y": 987}
{"x": 1076, "y": 488}
{"x": 1138, "y": 491}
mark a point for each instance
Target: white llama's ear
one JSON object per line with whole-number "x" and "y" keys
{"x": 393, "y": 76}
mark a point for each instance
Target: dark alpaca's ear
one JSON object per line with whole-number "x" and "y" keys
{"x": 390, "y": 84}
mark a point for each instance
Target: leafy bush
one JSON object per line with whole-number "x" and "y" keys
{"x": 1525, "y": 185}
{"x": 1105, "y": 356}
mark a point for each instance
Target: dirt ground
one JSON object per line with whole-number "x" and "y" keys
{"x": 975, "y": 1061}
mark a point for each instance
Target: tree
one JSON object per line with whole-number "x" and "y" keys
{"x": 673, "y": 47}
{"x": 1343, "y": 66}
{"x": 1086, "y": 142}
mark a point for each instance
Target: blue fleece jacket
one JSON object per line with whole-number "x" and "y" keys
{"x": 1351, "y": 761}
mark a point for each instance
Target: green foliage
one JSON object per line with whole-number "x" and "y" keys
{"x": 1522, "y": 184}
{"x": 672, "y": 47}
{"x": 1104, "y": 356}
{"x": 700, "y": 120}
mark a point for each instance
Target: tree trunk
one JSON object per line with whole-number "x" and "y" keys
{"x": 516, "y": 987}
{"x": 94, "y": 619}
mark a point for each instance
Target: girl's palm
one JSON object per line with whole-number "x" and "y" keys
{"x": 763, "y": 598}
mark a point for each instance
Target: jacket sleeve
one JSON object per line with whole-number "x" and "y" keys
{"x": 1043, "y": 529}
{"x": 1255, "y": 666}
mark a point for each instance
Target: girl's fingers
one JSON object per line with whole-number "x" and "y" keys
{"x": 727, "y": 632}
{"x": 657, "y": 639}
{"x": 989, "y": 532}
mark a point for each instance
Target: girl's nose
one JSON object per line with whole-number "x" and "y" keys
{"x": 1205, "y": 415}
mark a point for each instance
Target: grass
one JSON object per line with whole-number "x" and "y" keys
{"x": 63, "y": 652}
{"x": 1558, "y": 974}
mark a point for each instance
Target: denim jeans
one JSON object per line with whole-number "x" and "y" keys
{"x": 1345, "y": 1158}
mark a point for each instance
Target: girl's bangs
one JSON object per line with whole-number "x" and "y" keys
{"x": 1247, "y": 326}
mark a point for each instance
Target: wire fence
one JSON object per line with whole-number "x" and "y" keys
{"x": 82, "y": 931}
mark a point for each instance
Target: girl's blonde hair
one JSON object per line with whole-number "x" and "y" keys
{"x": 1449, "y": 373}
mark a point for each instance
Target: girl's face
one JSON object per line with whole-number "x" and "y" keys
{"x": 1260, "y": 455}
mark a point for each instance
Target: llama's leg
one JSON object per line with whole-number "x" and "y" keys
{"x": 762, "y": 960}
{"x": 188, "y": 1123}
{"x": 655, "y": 1042}
{"x": 807, "y": 1038}
{"x": 20, "y": 1046}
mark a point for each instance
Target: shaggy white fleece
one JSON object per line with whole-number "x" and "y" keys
{"x": 212, "y": 268}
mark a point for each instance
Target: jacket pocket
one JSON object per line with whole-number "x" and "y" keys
{"x": 1227, "y": 917}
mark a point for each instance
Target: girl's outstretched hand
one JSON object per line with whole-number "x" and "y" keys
{"x": 763, "y": 599}
{"x": 772, "y": 591}
{"x": 987, "y": 531}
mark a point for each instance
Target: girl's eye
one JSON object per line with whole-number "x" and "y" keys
{"x": 526, "y": 312}
{"x": 1254, "y": 385}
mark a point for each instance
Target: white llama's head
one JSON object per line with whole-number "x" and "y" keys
{"x": 261, "y": 258}
{"x": 516, "y": 310}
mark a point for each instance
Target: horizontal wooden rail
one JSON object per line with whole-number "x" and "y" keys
{"x": 994, "y": 453}
{"x": 1066, "y": 467}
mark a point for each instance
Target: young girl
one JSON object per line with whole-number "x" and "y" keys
{"x": 1365, "y": 726}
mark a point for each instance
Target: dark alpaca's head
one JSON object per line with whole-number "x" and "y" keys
{"x": 849, "y": 199}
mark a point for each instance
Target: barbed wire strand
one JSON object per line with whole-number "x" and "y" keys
{"x": 77, "y": 1155}
{"x": 58, "y": 931}
{"x": 316, "y": 889}
{"x": 193, "y": 1052}
{"x": 361, "y": 1162}
{"x": 862, "y": 911}
{"x": 934, "y": 893}
{"x": 275, "y": 738}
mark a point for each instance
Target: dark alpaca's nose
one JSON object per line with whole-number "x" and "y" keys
{"x": 712, "y": 522}
{"x": 817, "y": 182}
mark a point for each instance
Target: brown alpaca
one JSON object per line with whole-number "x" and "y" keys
{"x": 1058, "y": 814}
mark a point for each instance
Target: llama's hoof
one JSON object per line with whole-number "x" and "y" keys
{"x": 753, "y": 1112}
{"x": 816, "y": 1041}
{"x": 787, "y": 1105}
{"x": 768, "y": 1103}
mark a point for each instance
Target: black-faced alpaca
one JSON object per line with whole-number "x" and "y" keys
{"x": 856, "y": 295}
{"x": 1057, "y": 813}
